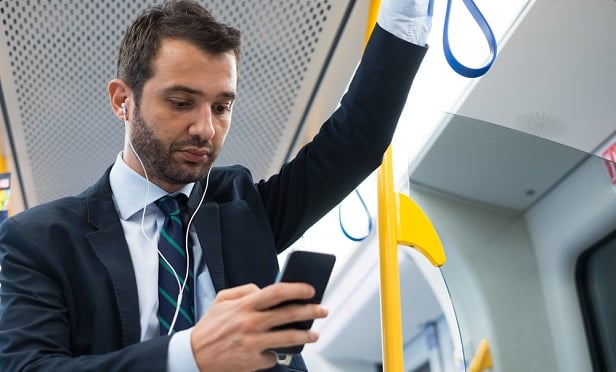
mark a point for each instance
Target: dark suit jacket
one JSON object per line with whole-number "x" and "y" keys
{"x": 68, "y": 290}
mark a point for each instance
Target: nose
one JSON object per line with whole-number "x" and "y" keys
{"x": 203, "y": 126}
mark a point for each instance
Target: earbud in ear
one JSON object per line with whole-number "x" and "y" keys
{"x": 124, "y": 110}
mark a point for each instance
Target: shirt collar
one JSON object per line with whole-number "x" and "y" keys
{"x": 128, "y": 186}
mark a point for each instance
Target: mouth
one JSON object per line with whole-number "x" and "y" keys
{"x": 195, "y": 155}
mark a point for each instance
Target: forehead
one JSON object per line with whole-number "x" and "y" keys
{"x": 178, "y": 62}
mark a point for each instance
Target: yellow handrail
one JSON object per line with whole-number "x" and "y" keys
{"x": 391, "y": 315}
{"x": 401, "y": 221}
{"x": 482, "y": 359}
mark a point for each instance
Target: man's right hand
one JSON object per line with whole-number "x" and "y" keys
{"x": 235, "y": 333}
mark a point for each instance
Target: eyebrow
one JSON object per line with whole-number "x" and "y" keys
{"x": 185, "y": 89}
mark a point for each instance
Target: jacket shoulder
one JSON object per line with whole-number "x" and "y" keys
{"x": 230, "y": 183}
{"x": 59, "y": 209}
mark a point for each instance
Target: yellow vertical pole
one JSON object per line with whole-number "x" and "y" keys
{"x": 3, "y": 166}
{"x": 391, "y": 315}
{"x": 4, "y": 169}
{"x": 373, "y": 12}
{"x": 401, "y": 221}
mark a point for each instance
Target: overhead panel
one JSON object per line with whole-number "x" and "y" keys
{"x": 57, "y": 57}
{"x": 491, "y": 164}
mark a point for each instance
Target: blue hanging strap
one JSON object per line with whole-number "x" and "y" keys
{"x": 487, "y": 31}
{"x": 369, "y": 218}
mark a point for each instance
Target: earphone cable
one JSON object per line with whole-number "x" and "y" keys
{"x": 177, "y": 308}
{"x": 181, "y": 285}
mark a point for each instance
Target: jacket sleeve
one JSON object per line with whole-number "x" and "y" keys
{"x": 350, "y": 144}
{"x": 35, "y": 330}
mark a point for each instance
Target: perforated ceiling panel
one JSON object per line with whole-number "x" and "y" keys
{"x": 57, "y": 57}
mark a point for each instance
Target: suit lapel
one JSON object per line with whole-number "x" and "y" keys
{"x": 207, "y": 225}
{"x": 110, "y": 245}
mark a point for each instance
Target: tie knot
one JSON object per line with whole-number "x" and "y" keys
{"x": 171, "y": 205}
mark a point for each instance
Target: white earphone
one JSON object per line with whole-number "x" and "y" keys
{"x": 124, "y": 110}
{"x": 181, "y": 285}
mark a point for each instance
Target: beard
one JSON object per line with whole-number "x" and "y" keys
{"x": 158, "y": 159}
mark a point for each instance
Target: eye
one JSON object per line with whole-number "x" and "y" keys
{"x": 222, "y": 108}
{"x": 180, "y": 104}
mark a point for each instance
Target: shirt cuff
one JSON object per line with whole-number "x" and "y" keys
{"x": 180, "y": 357}
{"x": 413, "y": 30}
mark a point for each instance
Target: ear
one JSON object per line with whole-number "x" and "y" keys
{"x": 119, "y": 93}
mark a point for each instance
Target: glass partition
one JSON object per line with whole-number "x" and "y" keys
{"x": 514, "y": 212}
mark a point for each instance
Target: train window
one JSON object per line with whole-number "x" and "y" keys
{"x": 595, "y": 276}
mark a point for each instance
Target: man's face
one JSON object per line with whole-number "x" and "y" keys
{"x": 183, "y": 115}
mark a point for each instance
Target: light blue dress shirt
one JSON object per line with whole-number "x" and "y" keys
{"x": 131, "y": 196}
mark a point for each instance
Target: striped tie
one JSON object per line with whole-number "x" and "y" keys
{"x": 172, "y": 269}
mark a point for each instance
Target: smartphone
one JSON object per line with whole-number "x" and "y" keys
{"x": 308, "y": 267}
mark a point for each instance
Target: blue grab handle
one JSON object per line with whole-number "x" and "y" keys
{"x": 344, "y": 231}
{"x": 487, "y": 32}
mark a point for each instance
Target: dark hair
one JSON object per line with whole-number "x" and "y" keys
{"x": 183, "y": 20}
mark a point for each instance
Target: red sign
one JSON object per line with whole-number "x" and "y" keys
{"x": 609, "y": 154}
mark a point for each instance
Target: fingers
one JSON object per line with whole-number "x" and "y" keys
{"x": 291, "y": 313}
{"x": 266, "y": 303}
{"x": 279, "y": 293}
{"x": 289, "y": 337}
{"x": 260, "y": 310}
{"x": 240, "y": 326}
{"x": 270, "y": 296}
{"x": 236, "y": 292}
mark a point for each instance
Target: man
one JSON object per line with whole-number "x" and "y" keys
{"x": 78, "y": 281}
